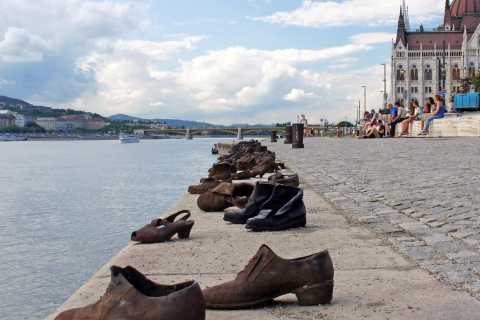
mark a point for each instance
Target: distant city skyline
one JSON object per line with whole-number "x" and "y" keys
{"x": 255, "y": 61}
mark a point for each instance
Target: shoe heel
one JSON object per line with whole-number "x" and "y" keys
{"x": 315, "y": 295}
{"x": 185, "y": 233}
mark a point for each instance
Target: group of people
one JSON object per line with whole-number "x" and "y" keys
{"x": 387, "y": 122}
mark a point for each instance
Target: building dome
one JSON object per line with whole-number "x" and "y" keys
{"x": 461, "y": 7}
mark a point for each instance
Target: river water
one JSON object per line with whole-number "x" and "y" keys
{"x": 67, "y": 207}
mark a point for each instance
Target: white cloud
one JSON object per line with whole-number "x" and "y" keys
{"x": 373, "y": 38}
{"x": 353, "y": 12}
{"x": 20, "y": 46}
{"x": 100, "y": 58}
{"x": 5, "y": 83}
{"x": 74, "y": 22}
{"x": 297, "y": 95}
{"x": 233, "y": 83}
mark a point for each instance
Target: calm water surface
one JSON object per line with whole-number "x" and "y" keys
{"x": 67, "y": 207}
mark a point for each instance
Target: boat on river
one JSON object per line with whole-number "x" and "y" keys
{"x": 12, "y": 137}
{"x": 129, "y": 138}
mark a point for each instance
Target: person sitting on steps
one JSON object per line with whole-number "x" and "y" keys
{"x": 438, "y": 112}
{"x": 411, "y": 117}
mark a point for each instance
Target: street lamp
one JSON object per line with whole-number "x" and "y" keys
{"x": 402, "y": 78}
{"x": 365, "y": 98}
{"x": 385, "y": 96}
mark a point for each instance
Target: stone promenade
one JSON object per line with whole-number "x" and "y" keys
{"x": 421, "y": 195}
{"x": 372, "y": 279}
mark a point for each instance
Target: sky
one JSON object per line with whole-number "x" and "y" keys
{"x": 221, "y": 61}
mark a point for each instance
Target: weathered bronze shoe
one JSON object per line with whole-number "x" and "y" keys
{"x": 221, "y": 171}
{"x": 260, "y": 195}
{"x": 224, "y": 196}
{"x": 264, "y": 164}
{"x": 131, "y": 296}
{"x": 162, "y": 230}
{"x": 284, "y": 210}
{"x": 268, "y": 276}
{"x": 205, "y": 185}
{"x": 279, "y": 177}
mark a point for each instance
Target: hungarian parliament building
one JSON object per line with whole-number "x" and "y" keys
{"x": 438, "y": 61}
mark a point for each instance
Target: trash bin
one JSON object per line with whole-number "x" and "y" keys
{"x": 297, "y": 137}
{"x": 274, "y": 137}
{"x": 288, "y": 135}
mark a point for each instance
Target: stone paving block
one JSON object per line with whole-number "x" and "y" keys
{"x": 416, "y": 228}
{"x": 435, "y": 238}
{"x": 420, "y": 253}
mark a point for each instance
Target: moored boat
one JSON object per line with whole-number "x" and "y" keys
{"x": 129, "y": 138}
{"x": 12, "y": 137}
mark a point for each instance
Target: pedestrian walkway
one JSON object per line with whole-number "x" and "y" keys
{"x": 422, "y": 195}
{"x": 372, "y": 280}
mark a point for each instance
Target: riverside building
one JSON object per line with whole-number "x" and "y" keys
{"x": 437, "y": 61}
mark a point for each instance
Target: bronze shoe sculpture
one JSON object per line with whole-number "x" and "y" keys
{"x": 265, "y": 164}
{"x": 221, "y": 171}
{"x": 131, "y": 296}
{"x": 162, "y": 230}
{"x": 284, "y": 210}
{"x": 279, "y": 177}
{"x": 268, "y": 276}
{"x": 206, "y": 184}
{"x": 260, "y": 195}
{"x": 224, "y": 196}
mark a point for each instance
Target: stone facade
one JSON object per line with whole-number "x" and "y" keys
{"x": 430, "y": 62}
{"x": 7, "y": 120}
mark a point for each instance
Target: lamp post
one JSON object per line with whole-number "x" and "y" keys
{"x": 364, "y": 98}
{"x": 384, "y": 100}
{"x": 385, "y": 95}
{"x": 402, "y": 78}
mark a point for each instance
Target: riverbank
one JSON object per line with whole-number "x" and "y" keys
{"x": 373, "y": 281}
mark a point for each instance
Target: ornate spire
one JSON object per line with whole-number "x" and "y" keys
{"x": 447, "y": 20}
{"x": 401, "y": 30}
{"x": 406, "y": 15}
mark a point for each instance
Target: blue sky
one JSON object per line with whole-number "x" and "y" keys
{"x": 220, "y": 61}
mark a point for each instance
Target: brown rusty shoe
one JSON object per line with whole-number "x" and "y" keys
{"x": 131, "y": 296}
{"x": 160, "y": 230}
{"x": 268, "y": 276}
{"x": 205, "y": 185}
{"x": 286, "y": 179}
{"x": 221, "y": 171}
{"x": 224, "y": 196}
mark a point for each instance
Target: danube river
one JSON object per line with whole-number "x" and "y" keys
{"x": 67, "y": 207}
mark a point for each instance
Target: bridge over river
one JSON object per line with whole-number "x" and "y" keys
{"x": 190, "y": 133}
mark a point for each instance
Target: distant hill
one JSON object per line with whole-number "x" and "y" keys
{"x": 174, "y": 123}
{"x": 28, "y": 109}
{"x": 31, "y": 110}
{"x": 124, "y": 118}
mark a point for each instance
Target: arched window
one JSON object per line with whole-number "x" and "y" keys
{"x": 456, "y": 72}
{"x": 414, "y": 73}
{"x": 400, "y": 73}
{"x": 428, "y": 73}
{"x": 471, "y": 70}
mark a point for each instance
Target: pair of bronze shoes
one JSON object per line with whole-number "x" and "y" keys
{"x": 162, "y": 230}
{"x": 131, "y": 296}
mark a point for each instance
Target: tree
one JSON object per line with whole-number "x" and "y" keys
{"x": 345, "y": 124}
{"x": 476, "y": 82}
